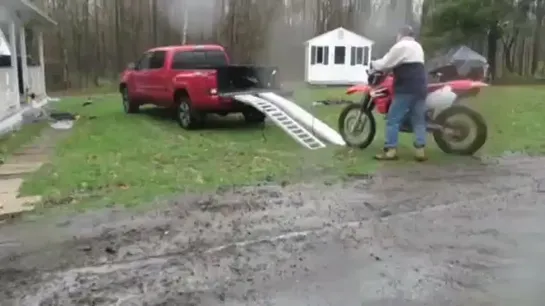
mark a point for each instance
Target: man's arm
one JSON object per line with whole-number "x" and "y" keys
{"x": 395, "y": 56}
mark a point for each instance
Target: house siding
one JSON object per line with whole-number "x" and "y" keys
{"x": 10, "y": 119}
{"x": 4, "y": 14}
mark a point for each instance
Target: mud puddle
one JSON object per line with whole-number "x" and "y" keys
{"x": 448, "y": 236}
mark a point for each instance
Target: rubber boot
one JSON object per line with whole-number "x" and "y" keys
{"x": 420, "y": 155}
{"x": 387, "y": 154}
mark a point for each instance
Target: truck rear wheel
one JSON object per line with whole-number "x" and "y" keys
{"x": 186, "y": 116}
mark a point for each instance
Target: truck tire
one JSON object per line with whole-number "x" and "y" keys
{"x": 186, "y": 116}
{"x": 128, "y": 104}
{"x": 253, "y": 116}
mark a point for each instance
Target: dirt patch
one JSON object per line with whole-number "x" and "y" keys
{"x": 432, "y": 236}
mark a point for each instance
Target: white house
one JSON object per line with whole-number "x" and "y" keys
{"x": 15, "y": 17}
{"x": 338, "y": 57}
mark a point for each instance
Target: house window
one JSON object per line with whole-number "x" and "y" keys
{"x": 340, "y": 55}
{"x": 319, "y": 55}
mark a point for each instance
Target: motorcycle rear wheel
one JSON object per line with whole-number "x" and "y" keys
{"x": 364, "y": 139}
{"x": 446, "y": 143}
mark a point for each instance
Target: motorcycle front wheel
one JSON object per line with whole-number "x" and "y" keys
{"x": 357, "y": 126}
{"x": 463, "y": 132}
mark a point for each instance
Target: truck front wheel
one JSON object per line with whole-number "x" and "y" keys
{"x": 187, "y": 117}
{"x": 128, "y": 104}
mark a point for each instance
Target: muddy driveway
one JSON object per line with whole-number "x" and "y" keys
{"x": 462, "y": 235}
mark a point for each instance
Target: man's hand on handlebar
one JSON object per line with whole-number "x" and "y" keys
{"x": 374, "y": 70}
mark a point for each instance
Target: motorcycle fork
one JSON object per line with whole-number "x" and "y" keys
{"x": 366, "y": 106}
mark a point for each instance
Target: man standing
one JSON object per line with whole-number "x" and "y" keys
{"x": 406, "y": 59}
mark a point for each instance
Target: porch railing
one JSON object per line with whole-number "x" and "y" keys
{"x": 8, "y": 91}
{"x": 36, "y": 81}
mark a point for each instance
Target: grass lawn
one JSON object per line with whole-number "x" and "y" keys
{"x": 127, "y": 159}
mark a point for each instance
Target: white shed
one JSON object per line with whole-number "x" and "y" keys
{"x": 18, "y": 77}
{"x": 338, "y": 57}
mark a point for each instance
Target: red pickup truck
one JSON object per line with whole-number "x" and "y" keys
{"x": 193, "y": 80}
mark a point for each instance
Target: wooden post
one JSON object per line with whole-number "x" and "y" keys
{"x": 24, "y": 63}
{"x": 42, "y": 62}
{"x": 14, "y": 78}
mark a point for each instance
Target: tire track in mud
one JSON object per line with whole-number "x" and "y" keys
{"x": 197, "y": 282}
{"x": 224, "y": 246}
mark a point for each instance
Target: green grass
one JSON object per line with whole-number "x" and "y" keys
{"x": 11, "y": 142}
{"x": 515, "y": 118}
{"x": 129, "y": 159}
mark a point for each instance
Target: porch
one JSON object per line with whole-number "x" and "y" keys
{"x": 8, "y": 96}
{"x": 20, "y": 77}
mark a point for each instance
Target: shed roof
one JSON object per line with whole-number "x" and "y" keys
{"x": 29, "y": 13}
{"x": 340, "y": 30}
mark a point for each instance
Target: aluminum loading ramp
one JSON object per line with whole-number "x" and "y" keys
{"x": 281, "y": 118}
{"x": 284, "y": 121}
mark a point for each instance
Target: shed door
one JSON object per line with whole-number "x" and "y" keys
{"x": 339, "y": 56}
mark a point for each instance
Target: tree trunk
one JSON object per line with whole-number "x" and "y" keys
{"x": 538, "y": 33}
{"x": 493, "y": 36}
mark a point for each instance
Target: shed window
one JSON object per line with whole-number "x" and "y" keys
{"x": 340, "y": 55}
{"x": 319, "y": 55}
{"x": 366, "y": 55}
{"x": 359, "y": 56}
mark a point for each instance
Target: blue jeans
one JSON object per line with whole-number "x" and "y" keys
{"x": 404, "y": 104}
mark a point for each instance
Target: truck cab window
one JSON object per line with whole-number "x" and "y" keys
{"x": 198, "y": 59}
{"x": 143, "y": 62}
{"x": 157, "y": 60}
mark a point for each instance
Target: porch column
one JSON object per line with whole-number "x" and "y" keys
{"x": 24, "y": 62}
{"x": 14, "y": 78}
{"x": 42, "y": 62}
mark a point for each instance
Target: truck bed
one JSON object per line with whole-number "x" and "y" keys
{"x": 245, "y": 79}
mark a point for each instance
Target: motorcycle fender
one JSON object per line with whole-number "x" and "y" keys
{"x": 362, "y": 88}
{"x": 440, "y": 99}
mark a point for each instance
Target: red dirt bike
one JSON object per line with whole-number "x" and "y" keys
{"x": 357, "y": 124}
